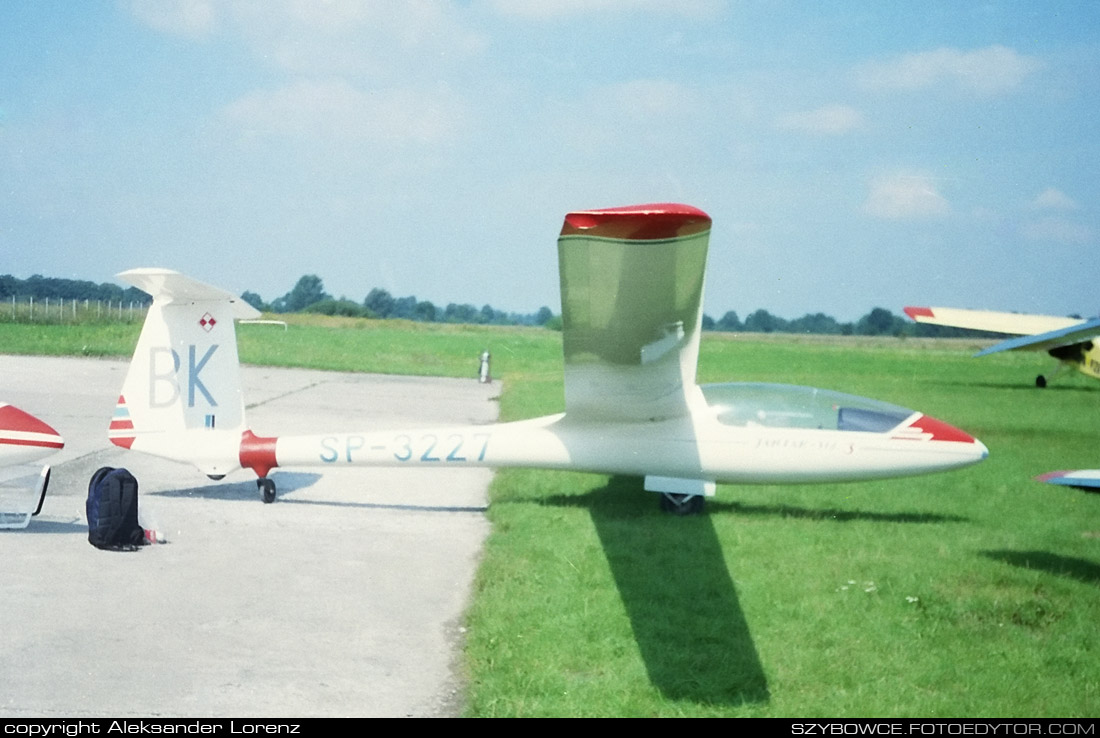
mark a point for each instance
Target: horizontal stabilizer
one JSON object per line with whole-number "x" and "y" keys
{"x": 1015, "y": 324}
{"x": 1077, "y": 333}
{"x": 166, "y": 286}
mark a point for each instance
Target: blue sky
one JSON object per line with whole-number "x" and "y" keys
{"x": 851, "y": 154}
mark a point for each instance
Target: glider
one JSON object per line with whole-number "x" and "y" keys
{"x": 1072, "y": 341}
{"x": 24, "y": 439}
{"x": 631, "y": 291}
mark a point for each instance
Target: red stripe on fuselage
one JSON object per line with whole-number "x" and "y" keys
{"x": 941, "y": 431}
{"x": 258, "y": 453}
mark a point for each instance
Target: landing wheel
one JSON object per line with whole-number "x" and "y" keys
{"x": 1040, "y": 381}
{"x": 682, "y": 504}
{"x": 267, "y": 489}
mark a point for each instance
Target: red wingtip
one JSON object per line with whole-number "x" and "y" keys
{"x": 18, "y": 421}
{"x": 638, "y": 222}
{"x": 1051, "y": 475}
{"x": 919, "y": 312}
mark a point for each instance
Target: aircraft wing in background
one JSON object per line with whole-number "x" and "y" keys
{"x": 1086, "y": 479}
{"x": 1077, "y": 335}
{"x": 1069, "y": 340}
{"x": 1013, "y": 324}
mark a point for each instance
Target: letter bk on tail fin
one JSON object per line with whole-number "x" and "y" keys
{"x": 185, "y": 374}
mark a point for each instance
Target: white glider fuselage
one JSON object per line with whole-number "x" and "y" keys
{"x": 679, "y": 448}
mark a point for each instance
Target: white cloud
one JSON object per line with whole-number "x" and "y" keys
{"x": 654, "y": 98}
{"x": 192, "y": 18}
{"x": 830, "y": 120}
{"x": 541, "y": 10}
{"x": 905, "y": 196}
{"x": 1058, "y": 230}
{"x": 336, "y": 110}
{"x": 990, "y": 71}
{"x": 334, "y": 37}
{"x": 1052, "y": 199}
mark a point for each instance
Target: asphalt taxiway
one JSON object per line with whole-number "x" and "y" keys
{"x": 343, "y": 598}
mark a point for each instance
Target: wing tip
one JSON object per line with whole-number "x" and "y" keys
{"x": 648, "y": 222}
{"x": 916, "y": 313}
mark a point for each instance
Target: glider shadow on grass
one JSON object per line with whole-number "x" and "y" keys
{"x": 681, "y": 600}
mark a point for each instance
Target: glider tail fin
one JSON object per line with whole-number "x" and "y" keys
{"x": 185, "y": 373}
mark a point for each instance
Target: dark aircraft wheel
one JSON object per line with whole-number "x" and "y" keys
{"x": 1040, "y": 381}
{"x": 267, "y": 489}
{"x": 682, "y": 504}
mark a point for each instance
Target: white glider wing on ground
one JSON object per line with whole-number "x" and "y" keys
{"x": 631, "y": 290}
{"x": 1071, "y": 341}
{"x": 24, "y": 439}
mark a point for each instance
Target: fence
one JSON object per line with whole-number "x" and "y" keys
{"x": 57, "y": 310}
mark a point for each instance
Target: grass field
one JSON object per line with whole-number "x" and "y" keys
{"x": 973, "y": 593}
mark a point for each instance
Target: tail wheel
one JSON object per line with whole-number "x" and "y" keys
{"x": 1040, "y": 381}
{"x": 267, "y": 489}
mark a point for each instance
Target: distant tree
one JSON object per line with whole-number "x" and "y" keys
{"x": 404, "y": 307}
{"x": 708, "y": 323}
{"x": 465, "y": 313}
{"x": 254, "y": 300}
{"x": 761, "y": 321}
{"x": 543, "y": 315}
{"x": 379, "y": 302}
{"x": 309, "y": 290}
{"x": 729, "y": 322}
{"x": 880, "y": 322}
{"x": 818, "y": 323}
{"x": 424, "y": 312}
{"x": 343, "y": 306}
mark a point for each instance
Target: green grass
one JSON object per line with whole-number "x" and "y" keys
{"x": 973, "y": 593}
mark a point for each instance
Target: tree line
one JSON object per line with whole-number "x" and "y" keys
{"x": 53, "y": 288}
{"x": 309, "y": 295}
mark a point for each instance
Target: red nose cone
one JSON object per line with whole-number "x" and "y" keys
{"x": 941, "y": 431}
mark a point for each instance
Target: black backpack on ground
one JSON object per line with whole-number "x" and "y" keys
{"x": 112, "y": 509}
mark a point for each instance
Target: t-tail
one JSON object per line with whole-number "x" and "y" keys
{"x": 182, "y": 395}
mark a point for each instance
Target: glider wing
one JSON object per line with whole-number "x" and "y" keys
{"x": 632, "y": 293}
